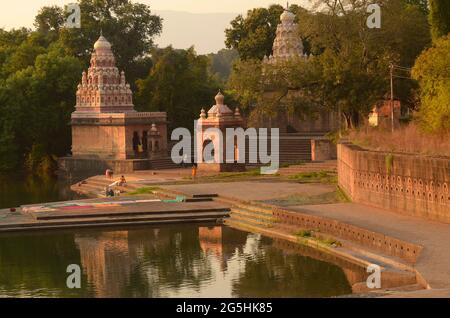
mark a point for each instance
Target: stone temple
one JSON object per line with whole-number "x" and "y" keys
{"x": 286, "y": 47}
{"x": 107, "y": 132}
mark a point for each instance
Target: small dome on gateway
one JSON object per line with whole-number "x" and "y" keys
{"x": 102, "y": 43}
{"x": 220, "y": 108}
{"x": 219, "y": 98}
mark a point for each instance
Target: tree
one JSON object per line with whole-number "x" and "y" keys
{"x": 40, "y": 70}
{"x": 221, "y": 63}
{"x": 421, "y": 4}
{"x": 432, "y": 70}
{"x": 49, "y": 19}
{"x": 8, "y": 150}
{"x": 253, "y": 36}
{"x": 130, "y": 27}
{"x": 178, "y": 83}
{"x": 245, "y": 83}
{"x": 348, "y": 69}
{"x": 35, "y": 106}
{"x": 439, "y": 18}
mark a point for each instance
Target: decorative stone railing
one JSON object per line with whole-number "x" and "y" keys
{"x": 411, "y": 184}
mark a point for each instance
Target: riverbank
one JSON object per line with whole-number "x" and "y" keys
{"x": 431, "y": 238}
{"x": 412, "y": 252}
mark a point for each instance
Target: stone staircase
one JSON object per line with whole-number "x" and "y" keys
{"x": 163, "y": 163}
{"x": 95, "y": 187}
{"x": 293, "y": 148}
{"x": 330, "y": 166}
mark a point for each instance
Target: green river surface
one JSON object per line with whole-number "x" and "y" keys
{"x": 188, "y": 260}
{"x": 17, "y": 190}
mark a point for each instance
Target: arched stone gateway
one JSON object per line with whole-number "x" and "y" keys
{"x": 211, "y": 137}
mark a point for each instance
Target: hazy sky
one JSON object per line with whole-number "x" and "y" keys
{"x": 201, "y": 25}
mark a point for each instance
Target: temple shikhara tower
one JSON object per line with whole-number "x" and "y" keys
{"x": 107, "y": 132}
{"x": 288, "y": 43}
{"x": 288, "y": 46}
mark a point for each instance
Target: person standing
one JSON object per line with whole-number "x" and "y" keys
{"x": 109, "y": 173}
{"x": 185, "y": 161}
{"x": 194, "y": 171}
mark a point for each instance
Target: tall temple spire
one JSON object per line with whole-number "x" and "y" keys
{"x": 103, "y": 88}
{"x": 287, "y": 43}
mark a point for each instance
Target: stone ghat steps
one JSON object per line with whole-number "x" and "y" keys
{"x": 309, "y": 167}
{"x": 163, "y": 164}
{"x": 252, "y": 217}
{"x": 116, "y": 221}
{"x": 292, "y": 222}
{"x": 157, "y": 209}
{"x": 95, "y": 186}
{"x": 240, "y": 222}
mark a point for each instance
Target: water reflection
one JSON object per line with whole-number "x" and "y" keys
{"x": 16, "y": 190}
{"x": 169, "y": 261}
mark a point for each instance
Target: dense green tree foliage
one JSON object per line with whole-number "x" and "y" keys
{"x": 129, "y": 26}
{"x": 349, "y": 67}
{"x": 40, "y": 69}
{"x": 432, "y": 70}
{"x": 253, "y": 35}
{"x": 221, "y": 63}
{"x": 35, "y": 107}
{"x": 179, "y": 83}
{"x": 439, "y": 18}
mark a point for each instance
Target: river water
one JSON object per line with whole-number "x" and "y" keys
{"x": 16, "y": 190}
{"x": 167, "y": 261}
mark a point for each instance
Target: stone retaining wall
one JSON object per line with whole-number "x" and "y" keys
{"x": 410, "y": 184}
{"x": 322, "y": 149}
{"x": 91, "y": 167}
{"x": 386, "y": 244}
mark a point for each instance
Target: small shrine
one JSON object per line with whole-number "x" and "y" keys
{"x": 212, "y": 138}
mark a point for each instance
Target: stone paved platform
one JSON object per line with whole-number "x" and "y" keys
{"x": 254, "y": 190}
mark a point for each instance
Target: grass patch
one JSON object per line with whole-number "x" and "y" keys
{"x": 144, "y": 190}
{"x": 305, "y": 235}
{"x": 252, "y": 173}
{"x": 295, "y": 163}
{"x": 248, "y": 173}
{"x": 337, "y": 196}
{"x": 330, "y": 242}
{"x": 315, "y": 177}
{"x": 342, "y": 196}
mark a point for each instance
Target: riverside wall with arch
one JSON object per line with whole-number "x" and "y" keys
{"x": 410, "y": 184}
